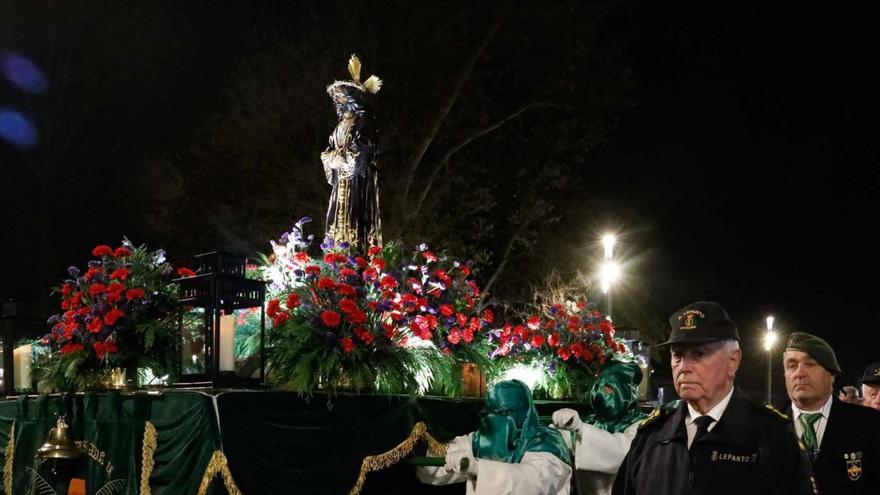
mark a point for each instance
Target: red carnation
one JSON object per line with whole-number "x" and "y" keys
{"x": 468, "y": 335}
{"x": 347, "y": 344}
{"x": 534, "y": 322}
{"x": 95, "y": 325}
{"x": 329, "y": 258}
{"x": 330, "y": 318}
{"x": 360, "y": 262}
{"x": 301, "y": 256}
{"x": 462, "y": 319}
{"x": 537, "y": 340}
{"x": 66, "y": 290}
{"x": 115, "y": 287}
{"x": 454, "y": 336}
{"x": 388, "y": 281}
{"x": 347, "y": 272}
{"x": 120, "y": 273}
{"x": 378, "y": 264}
{"x": 280, "y": 318}
{"x": 446, "y": 309}
{"x": 94, "y": 272}
{"x": 102, "y": 250}
{"x": 102, "y": 348}
{"x": 136, "y": 293}
{"x": 326, "y": 283}
{"x": 573, "y": 323}
{"x": 429, "y": 256}
{"x": 553, "y": 339}
{"x": 465, "y": 271}
{"x": 273, "y": 307}
{"x": 564, "y": 353}
{"x": 71, "y": 347}
{"x": 292, "y": 301}
{"x": 373, "y": 251}
{"x": 345, "y": 289}
{"x": 370, "y": 275}
{"x": 347, "y": 305}
{"x": 185, "y": 272}
{"x": 489, "y": 316}
{"x": 97, "y": 289}
{"x": 113, "y": 315}
{"x": 122, "y": 252}
{"x": 313, "y": 270}
{"x": 113, "y": 297}
{"x": 357, "y": 317}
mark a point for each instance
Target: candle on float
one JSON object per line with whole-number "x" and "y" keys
{"x": 23, "y": 359}
{"x": 227, "y": 343}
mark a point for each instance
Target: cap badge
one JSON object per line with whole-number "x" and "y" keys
{"x": 689, "y": 323}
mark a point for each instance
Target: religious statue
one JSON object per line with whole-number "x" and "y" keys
{"x": 350, "y": 163}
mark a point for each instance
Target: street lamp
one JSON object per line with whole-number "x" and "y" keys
{"x": 609, "y": 272}
{"x": 769, "y": 340}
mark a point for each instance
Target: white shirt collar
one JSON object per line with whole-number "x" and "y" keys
{"x": 716, "y": 412}
{"x": 825, "y": 410}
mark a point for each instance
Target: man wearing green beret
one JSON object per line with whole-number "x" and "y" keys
{"x": 842, "y": 440}
{"x": 715, "y": 441}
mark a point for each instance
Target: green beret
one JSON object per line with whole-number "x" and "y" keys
{"x": 817, "y": 348}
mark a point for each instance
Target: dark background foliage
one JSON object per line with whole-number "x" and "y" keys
{"x": 733, "y": 149}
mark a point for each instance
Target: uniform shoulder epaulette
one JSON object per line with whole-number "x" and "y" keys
{"x": 658, "y": 413}
{"x": 775, "y": 413}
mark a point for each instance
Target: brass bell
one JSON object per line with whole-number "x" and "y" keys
{"x": 58, "y": 444}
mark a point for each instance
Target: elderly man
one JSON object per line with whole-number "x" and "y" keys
{"x": 843, "y": 440}
{"x": 511, "y": 454}
{"x": 715, "y": 441}
{"x": 871, "y": 386}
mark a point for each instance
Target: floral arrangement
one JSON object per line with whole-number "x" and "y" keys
{"x": 119, "y": 313}
{"x": 572, "y": 341}
{"x": 379, "y": 320}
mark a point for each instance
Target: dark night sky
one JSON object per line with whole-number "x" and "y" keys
{"x": 745, "y": 174}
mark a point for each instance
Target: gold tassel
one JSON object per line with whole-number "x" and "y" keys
{"x": 7, "y": 466}
{"x": 218, "y": 464}
{"x": 147, "y": 461}
{"x": 354, "y": 68}
{"x": 382, "y": 461}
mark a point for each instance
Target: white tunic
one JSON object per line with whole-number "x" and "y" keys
{"x": 598, "y": 455}
{"x": 538, "y": 473}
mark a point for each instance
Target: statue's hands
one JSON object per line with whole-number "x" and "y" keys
{"x": 460, "y": 459}
{"x": 567, "y": 419}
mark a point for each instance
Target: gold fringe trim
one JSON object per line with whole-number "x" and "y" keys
{"x": 376, "y": 462}
{"x": 10, "y": 457}
{"x": 218, "y": 465}
{"x": 147, "y": 461}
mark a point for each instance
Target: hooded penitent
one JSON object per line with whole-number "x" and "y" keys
{"x": 614, "y": 397}
{"x": 509, "y": 427}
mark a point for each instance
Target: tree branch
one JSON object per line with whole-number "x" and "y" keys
{"x": 442, "y": 113}
{"x": 412, "y": 212}
{"x": 506, "y": 257}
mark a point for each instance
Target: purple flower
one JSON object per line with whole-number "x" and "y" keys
{"x": 284, "y": 238}
{"x": 94, "y": 263}
{"x": 302, "y": 221}
{"x": 344, "y": 245}
{"x": 73, "y": 271}
{"x": 327, "y": 244}
{"x": 53, "y": 319}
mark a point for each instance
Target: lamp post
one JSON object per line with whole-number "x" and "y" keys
{"x": 769, "y": 340}
{"x": 609, "y": 271}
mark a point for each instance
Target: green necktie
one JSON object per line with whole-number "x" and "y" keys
{"x": 809, "y": 437}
